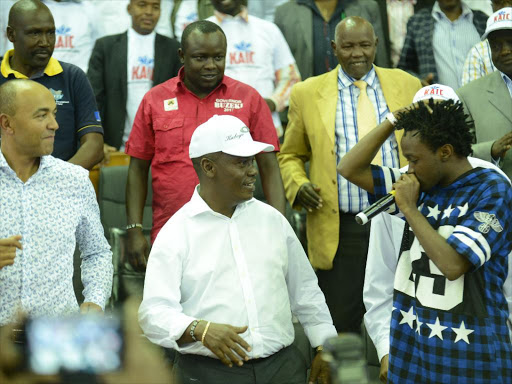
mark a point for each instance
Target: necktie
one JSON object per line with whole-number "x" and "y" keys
{"x": 366, "y": 120}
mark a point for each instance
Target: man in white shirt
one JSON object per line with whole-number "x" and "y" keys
{"x": 75, "y": 29}
{"x": 225, "y": 271}
{"x": 112, "y": 19}
{"x": 257, "y": 54}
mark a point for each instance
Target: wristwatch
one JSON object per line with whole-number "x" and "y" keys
{"x": 391, "y": 118}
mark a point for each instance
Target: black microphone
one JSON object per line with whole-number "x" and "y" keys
{"x": 376, "y": 208}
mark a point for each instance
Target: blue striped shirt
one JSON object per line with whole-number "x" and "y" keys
{"x": 351, "y": 198}
{"x": 507, "y": 81}
{"x": 451, "y": 42}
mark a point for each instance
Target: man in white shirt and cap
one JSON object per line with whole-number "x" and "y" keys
{"x": 226, "y": 272}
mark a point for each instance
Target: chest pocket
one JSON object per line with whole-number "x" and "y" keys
{"x": 168, "y": 139}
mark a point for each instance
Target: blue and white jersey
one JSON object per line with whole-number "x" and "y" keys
{"x": 454, "y": 331}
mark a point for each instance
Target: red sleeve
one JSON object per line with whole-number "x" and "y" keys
{"x": 141, "y": 143}
{"x": 261, "y": 124}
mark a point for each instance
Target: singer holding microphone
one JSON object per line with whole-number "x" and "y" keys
{"x": 449, "y": 312}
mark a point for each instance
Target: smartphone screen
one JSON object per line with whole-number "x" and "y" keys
{"x": 88, "y": 344}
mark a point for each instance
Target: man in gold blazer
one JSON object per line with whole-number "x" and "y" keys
{"x": 327, "y": 115}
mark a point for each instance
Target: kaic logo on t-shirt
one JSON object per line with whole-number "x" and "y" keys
{"x": 64, "y": 38}
{"x": 144, "y": 69}
{"x": 242, "y": 55}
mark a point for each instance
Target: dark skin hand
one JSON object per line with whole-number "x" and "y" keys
{"x": 320, "y": 372}
{"x": 501, "y": 146}
{"x": 427, "y": 80}
{"x": 384, "y": 365}
{"x": 138, "y": 249}
{"x": 309, "y": 197}
{"x": 223, "y": 340}
{"x": 136, "y": 191}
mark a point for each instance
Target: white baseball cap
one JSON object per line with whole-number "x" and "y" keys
{"x": 225, "y": 133}
{"x": 437, "y": 92}
{"x": 501, "y": 19}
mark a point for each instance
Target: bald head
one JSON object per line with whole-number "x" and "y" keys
{"x": 24, "y": 7}
{"x": 10, "y": 91}
{"x": 31, "y": 30}
{"x": 27, "y": 119}
{"x": 355, "y": 46}
{"x": 353, "y": 23}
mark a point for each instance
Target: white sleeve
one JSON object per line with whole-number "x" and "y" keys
{"x": 507, "y": 291}
{"x": 161, "y": 315}
{"x": 384, "y": 246}
{"x": 283, "y": 56}
{"x": 306, "y": 299}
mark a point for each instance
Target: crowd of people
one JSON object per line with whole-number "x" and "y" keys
{"x": 331, "y": 104}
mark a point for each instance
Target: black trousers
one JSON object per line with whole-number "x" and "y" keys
{"x": 343, "y": 284}
{"x": 287, "y": 366}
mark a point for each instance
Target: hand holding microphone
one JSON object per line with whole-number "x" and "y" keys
{"x": 373, "y": 210}
{"x": 407, "y": 187}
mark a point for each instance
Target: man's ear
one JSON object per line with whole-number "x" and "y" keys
{"x": 445, "y": 152}
{"x": 181, "y": 55}
{"x": 208, "y": 167}
{"x": 5, "y": 124}
{"x": 11, "y": 34}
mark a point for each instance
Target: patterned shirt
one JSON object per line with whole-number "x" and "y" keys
{"x": 418, "y": 52}
{"x": 452, "y": 40}
{"x": 53, "y": 211}
{"x": 454, "y": 331}
{"x": 351, "y": 198}
{"x": 478, "y": 63}
{"x": 399, "y": 12}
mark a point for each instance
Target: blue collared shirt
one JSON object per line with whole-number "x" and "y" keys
{"x": 53, "y": 211}
{"x": 451, "y": 42}
{"x": 351, "y": 198}
{"x": 507, "y": 81}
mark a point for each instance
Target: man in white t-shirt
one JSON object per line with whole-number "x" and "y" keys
{"x": 124, "y": 67}
{"x": 112, "y": 18}
{"x": 257, "y": 54}
{"x": 75, "y": 30}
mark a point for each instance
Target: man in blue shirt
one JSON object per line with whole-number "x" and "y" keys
{"x": 449, "y": 318}
{"x": 47, "y": 206}
{"x": 32, "y": 31}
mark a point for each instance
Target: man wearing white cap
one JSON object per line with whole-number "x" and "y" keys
{"x": 488, "y": 100}
{"x": 383, "y": 251}
{"x": 479, "y": 61}
{"x": 225, "y": 270}
{"x": 449, "y": 310}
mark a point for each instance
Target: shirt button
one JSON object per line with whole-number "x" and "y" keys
{"x": 165, "y": 126}
{"x": 334, "y": 181}
{"x": 334, "y": 211}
